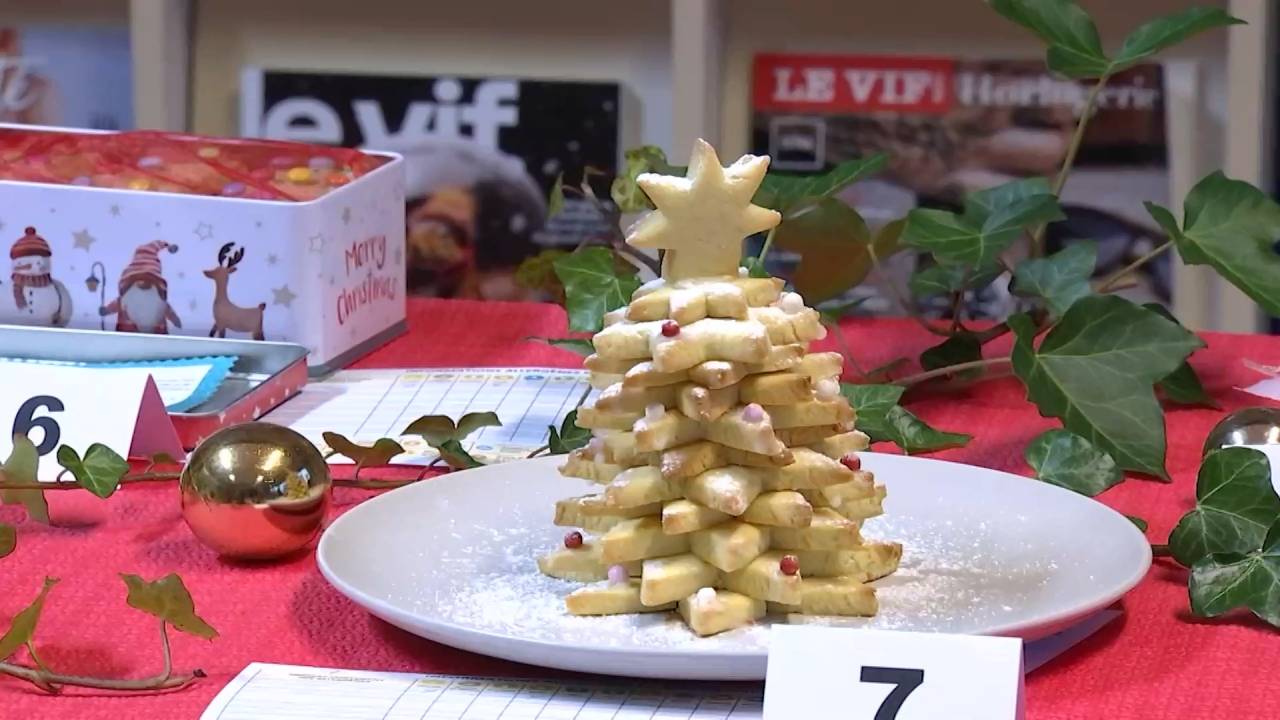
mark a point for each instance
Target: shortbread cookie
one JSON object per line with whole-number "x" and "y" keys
{"x": 696, "y": 457}
{"x": 610, "y": 599}
{"x": 710, "y": 611}
{"x": 764, "y": 579}
{"x": 776, "y": 388}
{"x": 827, "y": 531}
{"x": 665, "y": 580}
{"x": 589, "y": 512}
{"x": 581, "y": 564}
{"x": 832, "y": 596}
{"x": 681, "y": 303}
{"x": 685, "y": 516}
{"x": 728, "y": 489}
{"x": 810, "y": 412}
{"x": 870, "y": 561}
{"x": 780, "y": 508}
{"x": 705, "y": 404}
{"x": 640, "y": 539}
{"x": 642, "y": 486}
{"x": 729, "y": 545}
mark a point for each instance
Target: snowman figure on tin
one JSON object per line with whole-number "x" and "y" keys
{"x": 37, "y": 298}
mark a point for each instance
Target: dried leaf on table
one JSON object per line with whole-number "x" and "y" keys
{"x": 380, "y": 453}
{"x": 21, "y": 467}
{"x": 167, "y": 599}
{"x": 471, "y": 422}
{"x": 23, "y": 626}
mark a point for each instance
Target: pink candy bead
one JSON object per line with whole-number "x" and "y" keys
{"x": 618, "y": 575}
{"x": 753, "y": 413}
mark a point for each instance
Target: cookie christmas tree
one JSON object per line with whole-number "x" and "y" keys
{"x": 730, "y": 484}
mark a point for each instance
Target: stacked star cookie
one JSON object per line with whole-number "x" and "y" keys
{"x": 727, "y": 460}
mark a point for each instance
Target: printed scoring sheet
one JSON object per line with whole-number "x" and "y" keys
{"x": 264, "y": 691}
{"x": 365, "y": 405}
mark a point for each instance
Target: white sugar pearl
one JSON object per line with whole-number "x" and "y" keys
{"x": 706, "y": 596}
{"x": 791, "y": 303}
{"x": 828, "y": 389}
{"x": 654, "y": 412}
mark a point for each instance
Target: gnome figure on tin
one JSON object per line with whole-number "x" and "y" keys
{"x": 143, "y": 305}
{"x": 38, "y": 299}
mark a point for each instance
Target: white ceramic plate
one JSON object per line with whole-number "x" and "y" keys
{"x": 986, "y": 552}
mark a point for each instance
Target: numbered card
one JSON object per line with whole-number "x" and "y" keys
{"x": 57, "y": 405}
{"x": 821, "y": 673}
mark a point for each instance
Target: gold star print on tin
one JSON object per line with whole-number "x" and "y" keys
{"x": 702, "y": 218}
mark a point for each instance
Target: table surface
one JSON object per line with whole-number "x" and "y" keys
{"x": 1155, "y": 661}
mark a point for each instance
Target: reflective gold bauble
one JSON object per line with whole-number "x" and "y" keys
{"x": 255, "y": 491}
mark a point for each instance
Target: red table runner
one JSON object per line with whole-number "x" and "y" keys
{"x": 1156, "y": 661}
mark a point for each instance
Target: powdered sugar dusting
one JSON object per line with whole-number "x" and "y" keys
{"x": 953, "y": 578}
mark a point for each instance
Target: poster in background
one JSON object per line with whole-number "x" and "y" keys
{"x": 481, "y": 156}
{"x": 66, "y": 75}
{"x": 951, "y": 127}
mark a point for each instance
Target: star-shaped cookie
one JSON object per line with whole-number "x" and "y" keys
{"x": 702, "y": 218}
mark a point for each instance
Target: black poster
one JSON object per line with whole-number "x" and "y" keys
{"x": 481, "y": 156}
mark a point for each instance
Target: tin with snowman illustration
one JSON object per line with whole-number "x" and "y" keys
{"x": 169, "y": 234}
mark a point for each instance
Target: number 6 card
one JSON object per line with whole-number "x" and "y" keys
{"x": 824, "y": 673}
{"x": 57, "y": 405}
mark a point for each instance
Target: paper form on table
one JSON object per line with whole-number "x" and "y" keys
{"x": 274, "y": 691}
{"x": 265, "y": 691}
{"x": 365, "y": 405}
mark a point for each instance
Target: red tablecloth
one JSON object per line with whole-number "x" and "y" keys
{"x": 1155, "y": 662}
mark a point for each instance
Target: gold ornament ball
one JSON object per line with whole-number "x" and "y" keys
{"x": 255, "y": 491}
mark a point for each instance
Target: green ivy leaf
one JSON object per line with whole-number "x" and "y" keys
{"x": 755, "y": 267}
{"x": 1075, "y": 49}
{"x": 914, "y": 435}
{"x": 8, "y": 540}
{"x": 832, "y": 241}
{"x": 975, "y": 239}
{"x": 880, "y": 417}
{"x": 1096, "y": 370}
{"x": 793, "y": 194}
{"x": 1061, "y": 279}
{"x": 538, "y": 272}
{"x": 570, "y": 437}
{"x": 1235, "y": 504}
{"x": 473, "y": 421}
{"x": 1181, "y": 386}
{"x": 1137, "y": 522}
{"x": 21, "y": 467}
{"x": 1067, "y": 460}
{"x": 962, "y": 347}
{"x": 1231, "y": 226}
{"x": 376, "y": 455}
{"x": 167, "y": 599}
{"x": 555, "y": 198}
{"x": 873, "y": 403}
{"x": 982, "y": 203}
{"x": 23, "y": 626}
{"x": 100, "y": 470}
{"x": 1167, "y": 31}
{"x": 593, "y": 285}
{"x": 625, "y": 191}
{"x": 947, "y": 279}
{"x": 581, "y": 346}
{"x": 832, "y": 314}
{"x": 456, "y": 457}
{"x": 1223, "y": 582}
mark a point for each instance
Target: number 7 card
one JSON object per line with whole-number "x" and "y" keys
{"x": 72, "y": 405}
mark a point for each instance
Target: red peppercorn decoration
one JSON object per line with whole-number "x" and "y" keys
{"x": 851, "y": 461}
{"x": 789, "y": 564}
{"x": 573, "y": 540}
{"x": 670, "y": 328}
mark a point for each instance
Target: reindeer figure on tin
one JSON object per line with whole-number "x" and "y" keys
{"x": 226, "y": 314}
